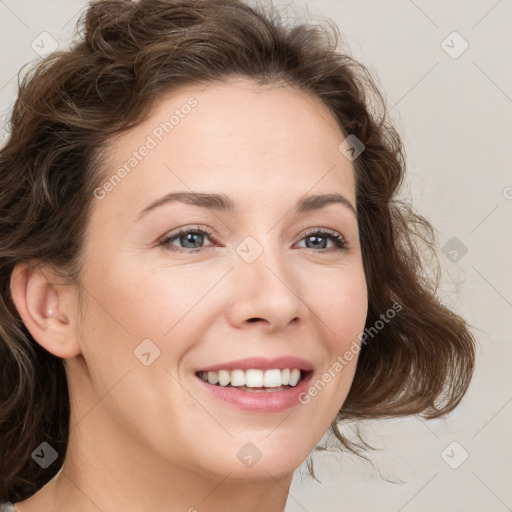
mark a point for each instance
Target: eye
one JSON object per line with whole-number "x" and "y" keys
{"x": 188, "y": 236}
{"x": 320, "y": 236}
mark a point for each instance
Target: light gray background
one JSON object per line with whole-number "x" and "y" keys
{"x": 455, "y": 115}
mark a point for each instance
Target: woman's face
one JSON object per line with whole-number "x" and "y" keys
{"x": 264, "y": 284}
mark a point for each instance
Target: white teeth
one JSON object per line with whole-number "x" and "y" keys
{"x": 213, "y": 377}
{"x": 272, "y": 379}
{"x": 253, "y": 378}
{"x": 224, "y": 378}
{"x": 294, "y": 377}
{"x": 238, "y": 378}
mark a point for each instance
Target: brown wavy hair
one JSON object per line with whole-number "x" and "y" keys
{"x": 125, "y": 56}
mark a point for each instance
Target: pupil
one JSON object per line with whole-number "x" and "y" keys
{"x": 188, "y": 236}
{"x": 316, "y": 238}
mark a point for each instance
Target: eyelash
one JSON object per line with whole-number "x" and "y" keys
{"x": 337, "y": 239}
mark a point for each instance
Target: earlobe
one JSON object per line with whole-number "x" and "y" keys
{"x": 44, "y": 305}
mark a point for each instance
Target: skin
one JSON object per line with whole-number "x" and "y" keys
{"x": 148, "y": 437}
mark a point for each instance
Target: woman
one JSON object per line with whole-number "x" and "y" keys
{"x": 204, "y": 264}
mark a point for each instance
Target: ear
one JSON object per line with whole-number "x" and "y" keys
{"x": 46, "y": 306}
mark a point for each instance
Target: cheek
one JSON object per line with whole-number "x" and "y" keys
{"x": 342, "y": 304}
{"x": 138, "y": 301}
{"x": 129, "y": 303}
{"x": 125, "y": 309}
{"x": 341, "y": 307}
{"x": 171, "y": 303}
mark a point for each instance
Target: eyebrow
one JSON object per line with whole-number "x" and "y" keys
{"x": 222, "y": 202}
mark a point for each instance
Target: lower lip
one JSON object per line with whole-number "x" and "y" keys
{"x": 267, "y": 401}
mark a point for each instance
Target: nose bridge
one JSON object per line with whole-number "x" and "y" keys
{"x": 266, "y": 286}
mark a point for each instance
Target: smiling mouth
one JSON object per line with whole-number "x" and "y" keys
{"x": 255, "y": 380}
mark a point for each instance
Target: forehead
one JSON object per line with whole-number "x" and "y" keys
{"x": 233, "y": 136}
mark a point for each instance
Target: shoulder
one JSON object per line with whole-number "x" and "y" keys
{"x": 7, "y": 507}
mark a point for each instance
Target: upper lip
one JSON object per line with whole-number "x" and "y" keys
{"x": 261, "y": 363}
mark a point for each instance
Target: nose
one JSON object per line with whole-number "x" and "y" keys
{"x": 265, "y": 292}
